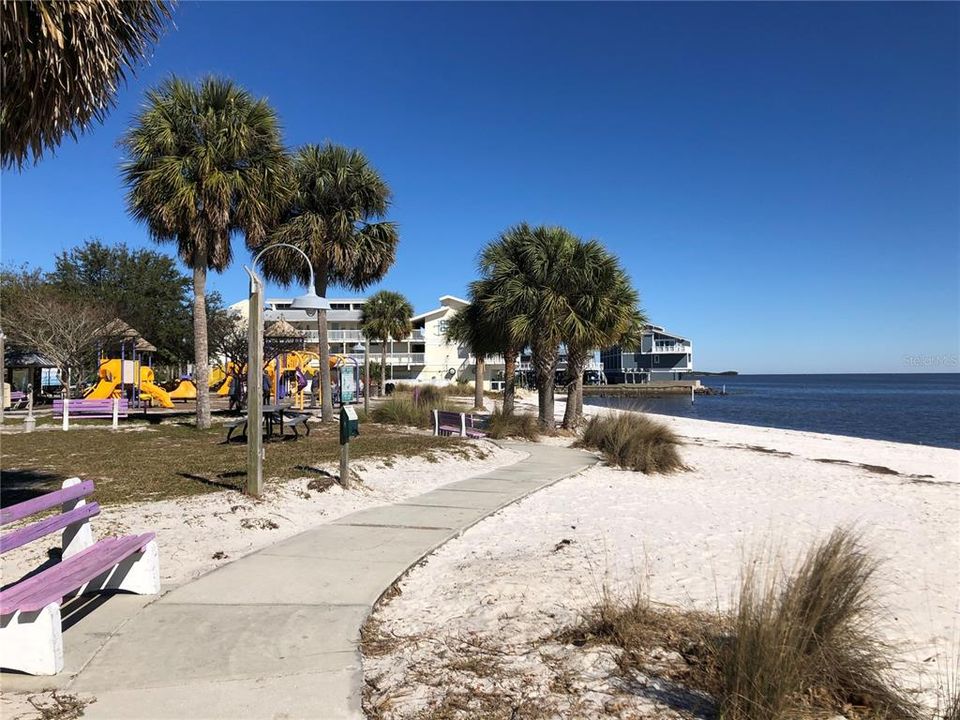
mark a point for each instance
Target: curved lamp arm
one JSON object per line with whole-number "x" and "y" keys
{"x": 292, "y": 247}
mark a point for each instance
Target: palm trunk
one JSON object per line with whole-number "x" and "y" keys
{"x": 383, "y": 367}
{"x": 575, "y": 364}
{"x": 201, "y": 356}
{"x": 545, "y": 362}
{"x": 478, "y": 383}
{"x": 509, "y": 384}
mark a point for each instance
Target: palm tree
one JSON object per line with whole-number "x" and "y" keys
{"x": 62, "y": 63}
{"x": 483, "y": 337}
{"x": 386, "y": 315}
{"x": 606, "y": 312}
{"x": 497, "y": 333}
{"x": 333, "y": 217}
{"x": 204, "y": 161}
{"x": 527, "y": 273}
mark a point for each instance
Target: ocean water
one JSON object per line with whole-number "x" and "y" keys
{"x": 923, "y": 409}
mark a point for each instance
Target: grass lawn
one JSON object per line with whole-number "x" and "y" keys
{"x": 174, "y": 459}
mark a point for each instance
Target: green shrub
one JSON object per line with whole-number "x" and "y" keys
{"x": 513, "y": 425}
{"x": 633, "y": 441}
{"x": 809, "y": 642}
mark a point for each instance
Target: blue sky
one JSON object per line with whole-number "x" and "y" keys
{"x": 781, "y": 180}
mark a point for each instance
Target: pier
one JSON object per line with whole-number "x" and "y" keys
{"x": 650, "y": 389}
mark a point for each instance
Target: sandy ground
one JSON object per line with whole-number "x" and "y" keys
{"x": 197, "y": 534}
{"x": 471, "y": 622}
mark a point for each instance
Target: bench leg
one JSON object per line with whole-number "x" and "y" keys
{"x": 78, "y": 536}
{"x": 139, "y": 573}
{"x": 32, "y": 642}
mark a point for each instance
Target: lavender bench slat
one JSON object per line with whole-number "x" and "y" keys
{"x": 11, "y": 598}
{"x": 45, "y": 502}
{"x": 74, "y": 572}
{"x": 58, "y": 581}
{"x": 93, "y": 408}
{"x": 37, "y": 530}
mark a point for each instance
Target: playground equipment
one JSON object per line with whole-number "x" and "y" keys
{"x": 115, "y": 375}
{"x": 288, "y": 374}
{"x": 185, "y": 390}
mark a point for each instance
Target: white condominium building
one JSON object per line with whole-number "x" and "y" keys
{"x": 424, "y": 355}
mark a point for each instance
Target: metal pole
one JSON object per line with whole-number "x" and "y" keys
{"x": 366, "y": 377}
{"x": 255, "y": 388}
{"x": 345, "y": 465}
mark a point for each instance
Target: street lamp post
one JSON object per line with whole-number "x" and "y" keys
{"x": 312, "y": 303}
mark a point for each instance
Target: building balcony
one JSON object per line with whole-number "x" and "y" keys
{"x": 662, "y": 346}
{"x": 392, "y": 358}
{"x": 351, "y": 336}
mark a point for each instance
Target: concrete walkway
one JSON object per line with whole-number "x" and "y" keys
{"x": 276, "y": 634}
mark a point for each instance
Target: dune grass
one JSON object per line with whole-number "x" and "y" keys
{"x": 809, "y": 640}
{"x": 513, "y": 425}
{"x": 414, "y": 408}
{"x": 801, "y": 646}
{"x": 633, "y": 441}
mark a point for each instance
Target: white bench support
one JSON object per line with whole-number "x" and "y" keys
{"x": 32, "y": 642}
{"x": 78, "y": 536}
{"x": 66, "y": 414}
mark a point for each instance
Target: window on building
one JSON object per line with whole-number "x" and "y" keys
{"x": 339, "y": 306}
{"x": 442, "y": 327}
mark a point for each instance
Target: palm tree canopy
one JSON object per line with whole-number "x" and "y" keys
{"x": 604, "y": 307}
{"x": 525, "y": 282}
{"x": 205, "y": 161}
{"x": 62, "y": 63}
{"x": 478, "y": 331}
{"x": 334, "y": 216}
{"x": 386, "y": 314}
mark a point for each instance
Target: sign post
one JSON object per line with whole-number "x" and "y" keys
{"x": 349, "y": 427}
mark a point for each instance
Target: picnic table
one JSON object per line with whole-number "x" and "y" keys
{"x": 273, "y": 416}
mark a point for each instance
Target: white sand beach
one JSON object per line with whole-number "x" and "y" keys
{"x": 201, "y": 532}
{"x": 473, "y": 618}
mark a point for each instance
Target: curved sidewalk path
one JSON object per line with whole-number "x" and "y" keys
{"x": 276, "y": 634}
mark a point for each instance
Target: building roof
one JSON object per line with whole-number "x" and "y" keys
{"x": 14, "y": 357}
{"x": 447, "y": 302}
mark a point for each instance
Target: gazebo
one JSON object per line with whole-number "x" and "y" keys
{"x": 23, "y": 367}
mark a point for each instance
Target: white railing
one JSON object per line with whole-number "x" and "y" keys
{"x": 352, "y": 336}
{"x": 392, "y": 358}
{"x": 670, "y": 347}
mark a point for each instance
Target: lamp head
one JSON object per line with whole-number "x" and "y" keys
{"x": 310, "y": 302}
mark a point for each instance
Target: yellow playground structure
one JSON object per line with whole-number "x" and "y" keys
{"x": 116, "y": 374}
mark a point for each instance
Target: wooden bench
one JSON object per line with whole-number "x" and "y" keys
{"x": 92, "y": 408}
{"x": 459, "y": 424}
{"x": 31, "y": 637}
{"x": 18, "y": 399}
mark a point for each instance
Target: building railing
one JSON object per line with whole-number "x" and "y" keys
{"x": 392, "y": 358}
{"x": 660, "y": 346}
{"x": 353, "y": 336}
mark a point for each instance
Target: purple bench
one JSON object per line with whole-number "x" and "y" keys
{"x": 17, "y": 399}
{"x": 459, "y": 424}
{"x": 31, "y": 638}
{"x": 92, "y": 408}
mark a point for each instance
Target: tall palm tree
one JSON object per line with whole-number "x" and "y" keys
{"x": 204, "y": 161}
{"x": 527, "y": 272}
{"x": 62, "y": 63}
{"x": 386, "y": 314}
{"x": 334, "y": 217}
{"x": 605, "y": 309}
{"x": 483, "y": 337}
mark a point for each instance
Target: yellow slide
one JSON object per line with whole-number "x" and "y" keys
{"x": 103, "y": 390}
{"x": 155, "y": 391}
